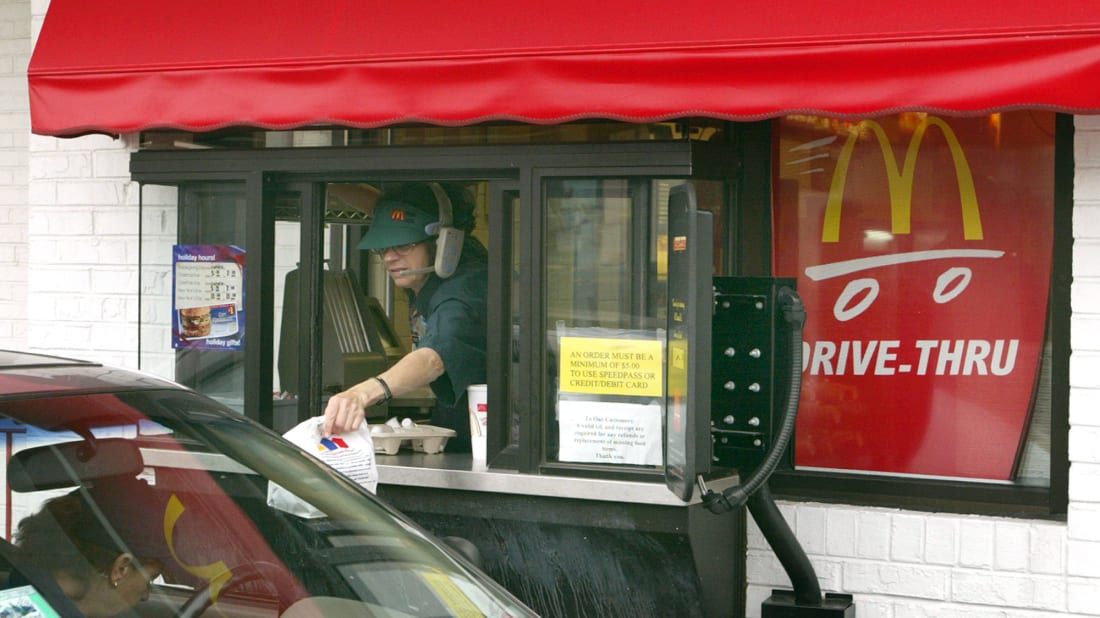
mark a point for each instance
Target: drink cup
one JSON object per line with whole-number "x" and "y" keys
{"x": 478, "y": 397}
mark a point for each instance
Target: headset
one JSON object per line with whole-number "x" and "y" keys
{"x": 448, "y": 243}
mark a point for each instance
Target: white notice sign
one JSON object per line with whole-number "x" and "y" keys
{"x": 610, "y": 433}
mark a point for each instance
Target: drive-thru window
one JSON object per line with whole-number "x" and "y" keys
{"x": 579, "y": 281}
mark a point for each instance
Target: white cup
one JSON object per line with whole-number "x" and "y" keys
{"x": 477, "y": 396}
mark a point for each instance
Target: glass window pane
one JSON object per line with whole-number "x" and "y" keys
{"x": 589, "y": 233}
{"x": 516, "y": 389}
{"x": 369, "y": 323}
{"x": 606, "y": 284}
{"x": 193, "y": 269}
{"x": 697, "y": 129}
{"x": 287, "y": 251}
{"x": 212, "y": 229}
{"x": 159, "y": 216}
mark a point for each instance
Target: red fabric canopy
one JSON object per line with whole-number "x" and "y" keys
{"x": 200, "y": 65}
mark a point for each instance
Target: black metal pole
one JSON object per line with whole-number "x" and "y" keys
{"x": 761, "y": 505}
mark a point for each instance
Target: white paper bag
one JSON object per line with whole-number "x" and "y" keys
{"x": 351, "y": 454}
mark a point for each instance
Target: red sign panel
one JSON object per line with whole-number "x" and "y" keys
{"x": 922, "y": 248}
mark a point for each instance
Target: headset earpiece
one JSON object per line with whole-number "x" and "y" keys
{"x": 448, "y": 245}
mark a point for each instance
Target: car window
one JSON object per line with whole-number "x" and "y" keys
{"x": 206, "y": 503}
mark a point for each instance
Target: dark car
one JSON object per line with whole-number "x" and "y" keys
{"x": 207, "y": 496}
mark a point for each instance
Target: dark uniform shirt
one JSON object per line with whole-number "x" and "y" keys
{"x": 454, "y": 314}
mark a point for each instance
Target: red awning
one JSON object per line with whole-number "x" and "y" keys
{"x": 200, "y": 65}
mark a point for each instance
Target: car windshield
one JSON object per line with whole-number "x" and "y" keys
{"x": 236, "y": 520}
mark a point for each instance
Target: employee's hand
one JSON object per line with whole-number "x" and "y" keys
{"x": 345, "y": 411}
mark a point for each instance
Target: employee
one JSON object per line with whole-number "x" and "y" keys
{"x": 448, "y": 291}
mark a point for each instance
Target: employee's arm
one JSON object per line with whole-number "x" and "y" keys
{"x": 345, "y": 411}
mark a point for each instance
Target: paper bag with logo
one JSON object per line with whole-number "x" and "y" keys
{"x": 351, "y": 454}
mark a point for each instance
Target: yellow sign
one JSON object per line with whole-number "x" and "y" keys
{"x": 901, "y": 180}
{"x": 603, "y": 366}
{"x": 449, "y": 592}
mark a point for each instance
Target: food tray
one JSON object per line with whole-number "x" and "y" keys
{"x": 420, "y": 438}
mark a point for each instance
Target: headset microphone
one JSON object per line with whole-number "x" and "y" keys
{"x": 416, "y": 271}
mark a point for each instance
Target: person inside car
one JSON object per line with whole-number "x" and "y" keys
{"x": 92, "y": 564}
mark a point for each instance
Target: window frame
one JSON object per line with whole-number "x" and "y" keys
{"x": 514, "y": 167}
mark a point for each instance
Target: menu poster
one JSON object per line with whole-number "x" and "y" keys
{"x": 208, "y": 297}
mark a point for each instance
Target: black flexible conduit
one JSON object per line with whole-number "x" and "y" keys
{"x": 754, "y": 491}
{"x": 736, "y": 497}
{"x": 807, "y": 590}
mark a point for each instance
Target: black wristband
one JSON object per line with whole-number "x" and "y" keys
{"x": 386, "y": 388}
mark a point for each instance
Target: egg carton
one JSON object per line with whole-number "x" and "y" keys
{"x": 390, "y": 437}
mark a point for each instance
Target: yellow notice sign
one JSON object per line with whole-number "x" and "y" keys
{"x": 599, "y": 366}
{"x": 449, "y": 592}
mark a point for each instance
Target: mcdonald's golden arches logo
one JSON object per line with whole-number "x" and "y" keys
{"x": 900, "y": 181}
{"x": 216, "y": 573}
{"x": 397, "y": 215}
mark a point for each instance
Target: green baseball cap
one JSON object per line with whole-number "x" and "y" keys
{"x": 398, "y": 223}
{"x": 410, "y": 213}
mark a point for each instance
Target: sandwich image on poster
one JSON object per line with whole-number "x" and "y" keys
{"x": 208, "y": 321}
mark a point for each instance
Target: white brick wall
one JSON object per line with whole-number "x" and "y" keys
{"x": 15, "y": 28}
{"x": 68, "y": 285}
{"x": 1083, "y": 540}
{"x": 83, "y": 250}
{"x": 899, "y": 563}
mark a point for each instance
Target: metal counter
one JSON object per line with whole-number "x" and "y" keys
{"x": 458, "y": 472}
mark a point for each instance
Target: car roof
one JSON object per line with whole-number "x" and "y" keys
{"x": 25, "y": 374}
{"x": 12, "y": 359}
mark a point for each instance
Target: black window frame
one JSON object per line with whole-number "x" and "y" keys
{"x": 264, "y": 172}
